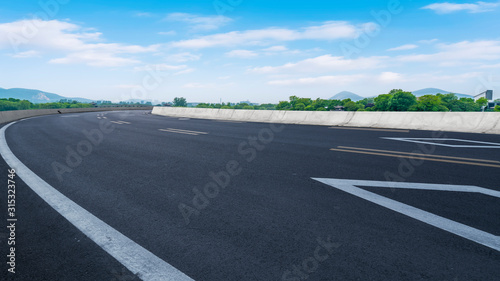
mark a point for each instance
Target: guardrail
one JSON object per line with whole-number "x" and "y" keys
{"x": 12, "y": 115}
{"x": 472, "y": 122}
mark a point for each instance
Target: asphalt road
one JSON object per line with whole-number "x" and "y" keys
{"x": 154, "y": 179}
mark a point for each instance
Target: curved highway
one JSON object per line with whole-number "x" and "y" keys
{"x": 219, "y": 200}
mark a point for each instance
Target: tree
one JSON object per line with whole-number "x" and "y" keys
{"x": 402, "y": 101}
{"x": 450, "y": 101}
{"x": 180, "y": 102}
{"x": 382, "y": 102}
{"x": 394, "y": 91}
{"x": 429, "y": 103}
{"x": 333, "y": 103}
{"x": 284, "y": 105}
{"x": 497, "y": 108}
{"x": 203, "y": 105}
{"x": 482, "y": 101}
{"x": 299, "y": 106}
{"x": 468, "y": 104}
{"x": 352, "y": 106}
{"x": 366, "y": 101}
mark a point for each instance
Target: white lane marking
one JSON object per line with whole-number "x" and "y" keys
{"x": 179, "y": 131}
{"x": 137, "y": 259}
{"x": 473, "y": 234}
{"x": 432, "y": 141}
{"x": 228, "y": 121}
{"x": 188, "y": 131}
{"x": 69, "y": 116}
{"x": 163, "y": 130}
{"x": 120, "y": 122}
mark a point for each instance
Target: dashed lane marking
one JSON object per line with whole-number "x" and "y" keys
{"x": 186, "y": 132}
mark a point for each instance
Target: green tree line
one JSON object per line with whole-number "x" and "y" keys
{"x": 267, "y": 106}
{"x": 395, "y": 100}
{"x": 17, "y": 104}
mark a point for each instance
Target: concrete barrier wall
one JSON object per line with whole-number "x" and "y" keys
{"x": 9, "y": 116}
{"x": 472, "y": 122}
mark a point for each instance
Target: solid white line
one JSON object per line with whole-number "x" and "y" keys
{"x": 429, "y": 141}
{"x": 187, "y": 131}
{"x": 419, "y": 186}
{"x": 137, "y": 259}
{"x": 459, "y": 229}
{"x": 177, "y": 132}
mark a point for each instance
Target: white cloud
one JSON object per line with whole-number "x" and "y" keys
{"x": 186, "y": 71}
{"x": 328, "y": 31}
{"x": 183, "y": 57}
{"x": 76, "y": 45}
{"x": 125, "y": 86}
{"x": 93, "y": 58}
{"x": 447, "y": 8}
{"x": 243, "y": 54}
{"x": 390, "y": 77}
{"x": 322, "y": 80}
{"x": 198, "y": 85}
{"x": 460, "y": 53}
{"x": 26, "y": 54}
{"x": 276, "y": 49}
{"x": 486, "y": 66}
{"x": 143, "y": 15}
{"x": 325, "y": 63}
{"x": 428, "y": 41}
{"x": 168, "y": 33}
{"x": 404, "y": 47}
{"x": 160, "y": 67}
{"x": 199, "y": 23}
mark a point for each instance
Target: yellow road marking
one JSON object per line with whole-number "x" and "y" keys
{"x": 421, "y": 154}
{"x": 371, "y": 129}
{"x": 417, "y": 158}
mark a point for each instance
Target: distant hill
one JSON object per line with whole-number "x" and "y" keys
{"x": 347, "y": 95}
{"x": 433, "y": 91}
{"x": 35, "y": 96}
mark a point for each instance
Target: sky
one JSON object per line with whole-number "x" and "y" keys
{"x": 239, "y": 50}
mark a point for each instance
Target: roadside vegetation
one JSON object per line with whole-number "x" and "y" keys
{"x": 17, "y": 104}
{"x": 395, "y": 100}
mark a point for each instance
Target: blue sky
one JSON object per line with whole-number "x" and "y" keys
{"x": 236, "y": 50}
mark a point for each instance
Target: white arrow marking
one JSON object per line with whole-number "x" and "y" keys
{"x": 473, "y": 234}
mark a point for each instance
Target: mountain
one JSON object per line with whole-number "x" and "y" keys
{"x": 433, "y": 91}
{"x": 35, "y": 96}
{"x": 347, "y": 95}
